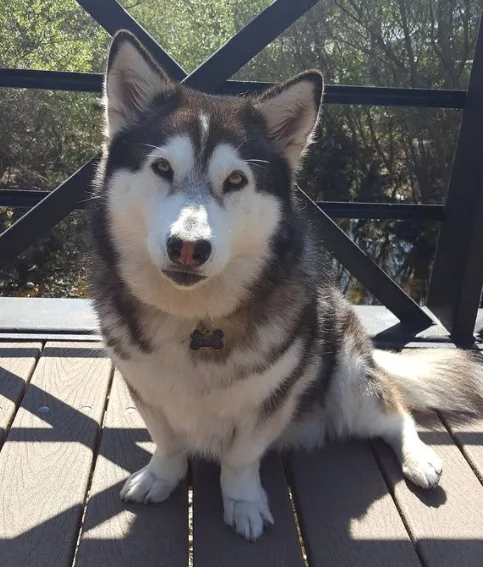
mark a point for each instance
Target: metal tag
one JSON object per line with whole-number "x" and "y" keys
{"x": 208, "y": 339}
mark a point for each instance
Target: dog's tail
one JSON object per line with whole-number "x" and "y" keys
{"x": 436, "y": 378}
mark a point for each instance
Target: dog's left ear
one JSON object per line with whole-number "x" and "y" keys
{"x": 291, "y": 110}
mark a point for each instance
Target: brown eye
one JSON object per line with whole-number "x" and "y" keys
{"x": 236, "y": 180}
{"x": 163, "y": 167}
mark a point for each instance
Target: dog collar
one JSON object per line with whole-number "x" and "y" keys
{"x": 206, "y": 337}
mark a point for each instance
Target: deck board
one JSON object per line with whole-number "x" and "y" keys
{"x": 115, "y": 533}
{"x": 347, "y": 516}
{"x": 48, "y": 454}
{"x": 446, "y": 522}
{"x": 217, "y": 545}
{"x": 17, "y": 363}
{"x": 469, "y": 436}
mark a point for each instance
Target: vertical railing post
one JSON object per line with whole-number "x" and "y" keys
{"x": 457, "y": 277}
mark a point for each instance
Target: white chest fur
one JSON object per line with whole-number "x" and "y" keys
{"x": 200, "y": 399}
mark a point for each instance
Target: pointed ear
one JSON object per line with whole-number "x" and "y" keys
{"x": 291, "y": 110}
{"x": 133, "y": 78}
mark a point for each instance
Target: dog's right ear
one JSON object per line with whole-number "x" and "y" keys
{"x": 133, "y": 78}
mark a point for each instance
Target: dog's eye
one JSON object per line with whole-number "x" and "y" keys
{"x": 236, "y": 180}
{"x": 163, "y": 167}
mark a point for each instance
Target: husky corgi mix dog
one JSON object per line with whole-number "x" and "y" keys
{"x": 216, "y": 300}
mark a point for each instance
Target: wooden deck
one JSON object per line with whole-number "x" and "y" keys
{"x": 70, "y": 435}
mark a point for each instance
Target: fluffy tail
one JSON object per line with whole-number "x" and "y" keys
{"x": 440, "y": 379}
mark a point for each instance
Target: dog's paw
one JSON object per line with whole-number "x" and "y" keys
{"x": 423, "y": 466}
{"x": 145, "y": 487}
{"x": 248, "y": 518}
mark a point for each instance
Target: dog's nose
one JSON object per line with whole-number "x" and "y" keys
{"x": 189, "y": 253}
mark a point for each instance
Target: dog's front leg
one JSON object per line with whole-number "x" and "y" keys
{"x": 245, "y": 501}
{"x": 168, "y": 465}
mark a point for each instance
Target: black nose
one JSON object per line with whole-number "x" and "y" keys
{"x": 186, "y": 252}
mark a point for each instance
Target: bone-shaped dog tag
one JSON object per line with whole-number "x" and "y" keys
{"x": 212, "y": 339}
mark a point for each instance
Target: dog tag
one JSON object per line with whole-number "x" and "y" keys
{"x": 210, "y": 339}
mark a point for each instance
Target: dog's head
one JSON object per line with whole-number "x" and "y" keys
{"x": 197, "y": 185}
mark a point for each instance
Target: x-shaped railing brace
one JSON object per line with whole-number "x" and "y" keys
{"x": 208, "y": 77}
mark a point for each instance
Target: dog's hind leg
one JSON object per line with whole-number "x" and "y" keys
{"x": 420, "y": 463}
{"x": 393, "y": 423}
{"x": 366, "y": 402}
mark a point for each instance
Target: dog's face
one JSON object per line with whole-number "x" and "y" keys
{"x": 198, "y": 183}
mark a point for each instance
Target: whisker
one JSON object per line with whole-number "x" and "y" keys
{"x": 162, "y": 150}
{"x": 258, "y": 162}
{"x": 242, "y": 144}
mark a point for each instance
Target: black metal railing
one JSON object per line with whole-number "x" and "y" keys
{"x": 457, "y": 276}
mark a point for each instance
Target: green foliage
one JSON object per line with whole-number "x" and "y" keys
{"x": 46, "y": 135}
{"x": 191, "y": 30}
{"x": 55, "y": 35}
{"x": 361, "y": 153}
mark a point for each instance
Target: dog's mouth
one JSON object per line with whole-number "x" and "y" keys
{"x": 184, "y": 278}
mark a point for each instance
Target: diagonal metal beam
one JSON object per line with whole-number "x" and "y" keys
{"x": 365, "y": 270}
{"x": 113, "y": 17}
{"x": 247, "y": 43}
{"x": 46, "y": 214}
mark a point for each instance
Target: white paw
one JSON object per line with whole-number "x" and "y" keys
{"x": 248, "y": 518}
{"x": 144, "y": 486}
{"x": 423, "y": 466}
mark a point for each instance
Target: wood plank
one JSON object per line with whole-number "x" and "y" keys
{"x": 217, "y": 545}
{"x": 47, "y": 457}
{"x": 446, "y": 522}
{"x": 115, "y": 533}
{"x": 347, "y": 516}
{"x": 469, "y": 437}
{"x": 17, "y": 362}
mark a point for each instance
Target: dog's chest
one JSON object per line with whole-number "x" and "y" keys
{"x": 202, "y": 411}
{"x": 203, "y": 398}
